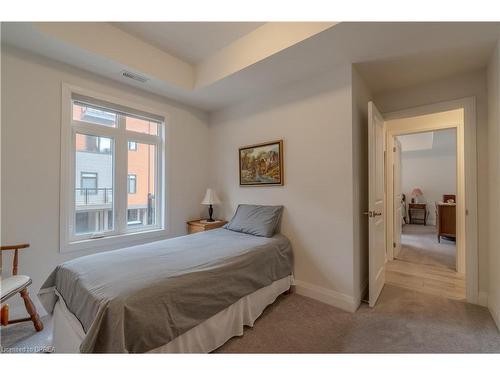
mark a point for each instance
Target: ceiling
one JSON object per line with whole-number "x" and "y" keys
{"x": 421, "y": 67}
{"x": 234, "y": 61}
{"x": 190, "y": 41}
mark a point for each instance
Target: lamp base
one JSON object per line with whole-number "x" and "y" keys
{"x": 210, "y": 213}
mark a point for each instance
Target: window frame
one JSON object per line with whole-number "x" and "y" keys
{"x": 121, "y": 235}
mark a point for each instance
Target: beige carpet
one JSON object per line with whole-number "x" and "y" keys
{"x": 22, "y": 338}
{"x": 403, "y": 321}
{"x": 419, "y": 244}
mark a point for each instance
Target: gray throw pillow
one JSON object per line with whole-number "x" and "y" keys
{"x": 257, "y": 220}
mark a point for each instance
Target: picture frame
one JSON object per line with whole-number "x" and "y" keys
{"x": 261, "y": 164}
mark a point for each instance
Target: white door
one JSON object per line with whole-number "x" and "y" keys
{"x": 398, "y": 196}
{"x": 376, "y": 204}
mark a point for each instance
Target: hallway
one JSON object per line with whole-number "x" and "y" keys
{"x": 425, "y": 265}
{"x": 419, "y": 245}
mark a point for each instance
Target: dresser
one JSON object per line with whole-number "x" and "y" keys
{"x": 446, "y": 220}
{"x": 202, "y": 225}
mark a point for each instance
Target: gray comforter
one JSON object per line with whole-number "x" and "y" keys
{"x": 139, "y": 298}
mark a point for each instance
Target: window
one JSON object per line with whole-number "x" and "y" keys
{"x": 141, "y": 125}
{"x": 82, "y": 222}
{"x": 89, "y": 143}
{"x": 114, "y": 171}
{"x": 93, "y": 184}
{"x": 132, "y": 184}
{"x": 88, "y": 183}
{"x": 132, "y": 146}
{"x": 93, "y": 114}
{"x": 133, "y": 216}
{"x": 142, "y": 165}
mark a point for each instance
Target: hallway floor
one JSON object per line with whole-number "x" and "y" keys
{"x": 419, "y": 245}
{"x": 425, "y": 265}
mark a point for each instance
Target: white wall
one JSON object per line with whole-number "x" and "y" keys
{"x": 433, "y": 170}
{"x": 31, "y": 125}
{"x": 464, "y": 85}
{"x": 314, "y": 119}
{"x": 494, "y": 182}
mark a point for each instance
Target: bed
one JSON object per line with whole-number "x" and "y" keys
{"x": 186, "y": 294}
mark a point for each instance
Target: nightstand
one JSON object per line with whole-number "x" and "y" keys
{"x": 420, "y": 209}
{"x": 202, "y": 225}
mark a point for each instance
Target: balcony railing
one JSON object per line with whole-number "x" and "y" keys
{"x": 93, "y": 197}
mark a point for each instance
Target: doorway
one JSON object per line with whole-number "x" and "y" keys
{"x": 457, "y": 116}
{"x": 424, "y": 184}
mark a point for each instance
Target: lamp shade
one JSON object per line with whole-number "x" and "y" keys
{"x": 416, "y": 192}
{"x": 210, "y": 197}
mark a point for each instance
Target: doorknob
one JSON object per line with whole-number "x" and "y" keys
{"x": 372, "y": 213}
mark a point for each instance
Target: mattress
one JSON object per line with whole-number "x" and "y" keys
{"x": 137, "y": 299}
{"x": 204, "y": 338}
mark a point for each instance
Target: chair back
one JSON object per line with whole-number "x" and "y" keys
{"x": 16, "y": 248}
{"x": 447, "y": 197}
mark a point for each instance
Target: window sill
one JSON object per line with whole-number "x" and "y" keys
{"x": 115, "y": 242}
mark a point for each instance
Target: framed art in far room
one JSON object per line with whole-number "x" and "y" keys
{"x": 261, "y": 164}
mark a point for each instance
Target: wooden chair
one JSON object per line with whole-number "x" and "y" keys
{"x": 18, "y": 284}
{"x": 446, "y": 197}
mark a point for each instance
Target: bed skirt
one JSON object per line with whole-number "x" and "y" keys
{"x": 204, "y": 338}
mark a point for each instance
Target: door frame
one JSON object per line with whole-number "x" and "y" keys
{"x": 467, "y": 257}
{"x": 396, "y": 244}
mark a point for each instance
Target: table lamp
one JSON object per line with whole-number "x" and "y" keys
{"x": 415, "y": 193}
{"x": 210, "y": 199}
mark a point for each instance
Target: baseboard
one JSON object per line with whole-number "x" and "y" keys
{"x": 482, "y": 299}
{"x": 328, "y": 296}
{"x": 495, "y": 312}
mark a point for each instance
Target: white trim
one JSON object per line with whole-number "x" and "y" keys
{"x": 495, "y": 312}
{"x": 115, "y": 100}
{"x": 117, "y": 241}
{"x": 121, "y": 235}
{"x": 467, "y": 259}
{"x": 121, "y": 157}
{"x": 328, "y": 296}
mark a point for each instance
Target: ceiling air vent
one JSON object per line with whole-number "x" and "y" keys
{"x": 134, "y": 76}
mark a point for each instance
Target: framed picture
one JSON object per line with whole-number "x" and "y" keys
{"x": 262, "y": 164}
